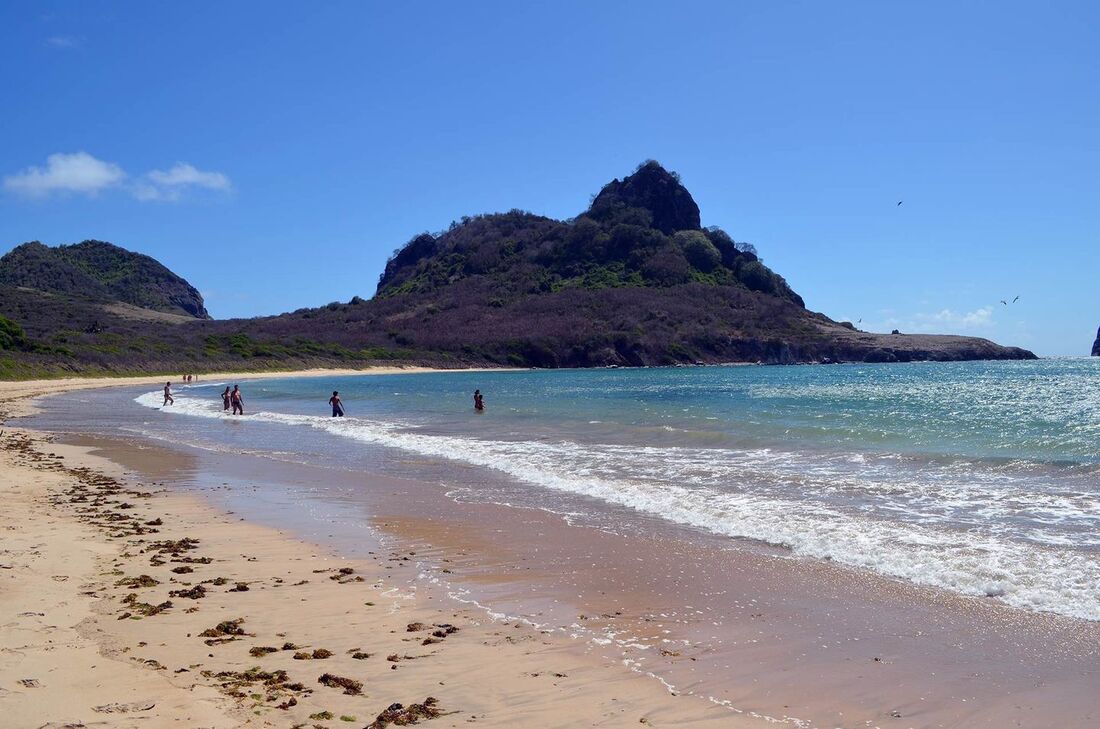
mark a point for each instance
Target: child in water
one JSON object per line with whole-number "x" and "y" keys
{"x": 337, "y": 406}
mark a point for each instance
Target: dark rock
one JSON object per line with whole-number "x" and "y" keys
{"x": 1096, "y": 345}
{"x": 654, "y": 189}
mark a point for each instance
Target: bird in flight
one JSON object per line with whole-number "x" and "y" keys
{"x": 1004, "y": 302}
{"x": 1016, "y": 299}
{"x": 900, "y": 202}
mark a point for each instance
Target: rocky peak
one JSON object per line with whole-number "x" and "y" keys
{"x": 1096, "y": 345}
{"x": 656, "y": 190}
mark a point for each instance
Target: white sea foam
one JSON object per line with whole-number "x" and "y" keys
{"x": 910, "y": 538}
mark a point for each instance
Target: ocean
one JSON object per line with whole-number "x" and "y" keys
{"x": 980, "y": 478}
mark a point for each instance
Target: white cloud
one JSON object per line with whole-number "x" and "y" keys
{"x": 63, "y": 42}
{"x": 82, "y": 173}
{"x": 79, "y": 172}
{"x": 971, "y": 320}
{"x": 944, "y": 321}
{"x": 170, "y": 184}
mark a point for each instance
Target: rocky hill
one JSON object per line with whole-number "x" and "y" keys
{"x": 1096, "y": 345}
{"x": 632, "y": 280}
{"x": 101, "y": 272}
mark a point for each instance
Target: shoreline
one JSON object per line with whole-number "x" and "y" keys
{"x": 90, "y": 562}
{"x": 799, "y": 632}
{"x": 17, "y": 395}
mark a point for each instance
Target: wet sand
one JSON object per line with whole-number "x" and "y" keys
{"x": 743, "y": 625}
{"x": 127, "y": 602}
{"x": 739, "y": 631}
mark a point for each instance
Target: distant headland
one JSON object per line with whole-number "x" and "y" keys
{"x": 633, "y": 280}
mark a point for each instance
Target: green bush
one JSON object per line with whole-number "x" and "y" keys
{"x": 12, "y": 335}
{"x": 699, "y": 251}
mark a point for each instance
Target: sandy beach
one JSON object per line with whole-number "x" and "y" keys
{"x": 126, "y": 604}
{"x": 149, "y": 583}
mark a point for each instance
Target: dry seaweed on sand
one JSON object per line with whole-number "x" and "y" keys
{"x": 351, "y": 686}
{"x": 400, "y": 715}
{"x": 143, "y": 607}
{"x": 261, "y": 650}
{"x": 193, "y": 560}
{"x": 233, "y": 681}
{"x": 139, "y": 581}
{"x": 226, "y": 627}
{"x": 195, "y": 593}
{"x": 183, "y": 570}
{"x": 169, "y": 546}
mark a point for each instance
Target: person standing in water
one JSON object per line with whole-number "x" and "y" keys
{"x": 237, "y": 400}
{"x": 337, "y": 406}
{"x": 168, "y": 394}
{"x": 225, "y": 399}
{"x": 479, "y": 402}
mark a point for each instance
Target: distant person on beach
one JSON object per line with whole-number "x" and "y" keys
{"x": 237, "y": 400}
{"x": 479, "y": 402}
{"x": 337, "y": 406}
{"x": 225, "y": 399}
{"x": 168, "y": 394}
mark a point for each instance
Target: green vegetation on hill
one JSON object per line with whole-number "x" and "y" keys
{"x": 101, "y": 271}
{"x": 615, "y": 244}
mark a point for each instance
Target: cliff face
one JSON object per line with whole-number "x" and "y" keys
{"x": 103, "y": 272}
{"x": 1096, "y": 345}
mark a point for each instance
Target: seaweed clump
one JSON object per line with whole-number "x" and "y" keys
{"x": 351, "y": 686}
{"x": 401, "y": 715}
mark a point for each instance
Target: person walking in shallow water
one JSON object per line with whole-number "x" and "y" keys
{"x": 168, "y": 400}
{"x": 337, "y": 406}
{"x": 237, "y": 400}
{"x": 225, "y": 399}
{"x": 479, "y": 401}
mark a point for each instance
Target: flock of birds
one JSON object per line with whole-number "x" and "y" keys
{"x": 1006, "y": 303}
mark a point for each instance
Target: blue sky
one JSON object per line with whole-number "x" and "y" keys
{"x": 275, "y": 154}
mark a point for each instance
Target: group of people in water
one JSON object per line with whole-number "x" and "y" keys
{"x": 232, "y": 399}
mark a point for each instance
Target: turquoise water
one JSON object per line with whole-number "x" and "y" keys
{"x": 982, "y": 478}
